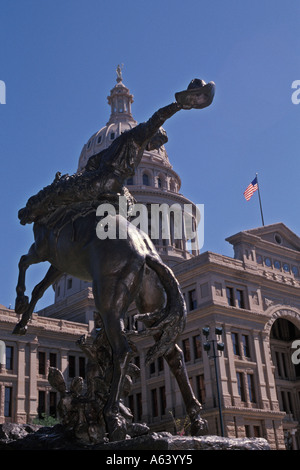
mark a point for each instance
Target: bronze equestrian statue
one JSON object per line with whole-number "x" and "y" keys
{"x": 122, "y": 271}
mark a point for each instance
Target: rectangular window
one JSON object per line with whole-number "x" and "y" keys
{"x": 152, "y": 368}
{"x": 139, "y": 407}
{"x": 52, "y": 404}
{"x": 72, "y": 368}
{"x": 192, "y": 299}
{"x": 251, "y": 388}
{"x": 8, "y": 402}
{"x": 160, "y": 362}
{"x": 9, "y": 357}
{"x": 230, "y": 296}
{"x": 154, "y": 402}
{"x": 42, "y": 403}
{"x": 52, "y": 359}
{"x": 69, "y": 284}
{"x": 200, "y": 388}
{"x": 162, "y": 399}
{"x": 246, "y": 348}
{"x": 278, "y": 364}
{"x": 240, "y": 298}
{"x": 42, "y": 363}
{"x": 241, "y": 386}
{"x": 235, "y": 344}
{"x": 82, "y": 367}
{"x": 197, "y": 347}
{"x": 186, "y": 349}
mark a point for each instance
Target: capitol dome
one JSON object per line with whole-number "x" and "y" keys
{"x": 121, "y": 120}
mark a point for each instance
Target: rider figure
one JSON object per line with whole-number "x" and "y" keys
{"x": 105, "y": 172}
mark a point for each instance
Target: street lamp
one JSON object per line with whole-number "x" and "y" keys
{"x": 217, "y": 346}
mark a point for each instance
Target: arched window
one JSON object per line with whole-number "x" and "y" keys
{"x": 146, "y": 181}
{"x": 159, "y": 183}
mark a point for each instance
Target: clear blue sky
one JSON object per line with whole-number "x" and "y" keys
{"x": 58, "y": 60}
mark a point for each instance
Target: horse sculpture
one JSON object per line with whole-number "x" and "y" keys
{"x": 122, "y": 270}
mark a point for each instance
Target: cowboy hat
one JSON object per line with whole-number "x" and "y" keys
{"x": 198, "y": 94}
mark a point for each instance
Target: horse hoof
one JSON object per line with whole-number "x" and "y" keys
{"x": 199, "y": 427}
{"x": 19, "y": 330}
{"x": 21, "y": 304}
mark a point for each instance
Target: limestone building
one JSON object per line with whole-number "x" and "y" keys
{"x": 253, "y": 297}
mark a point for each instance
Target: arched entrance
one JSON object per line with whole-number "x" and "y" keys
{"x": 284, "y": 329}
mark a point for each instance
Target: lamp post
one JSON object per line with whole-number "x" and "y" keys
{"x": 216, "y": 346}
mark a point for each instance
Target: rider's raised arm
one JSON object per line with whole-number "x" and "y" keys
{"x": 146, "y": 130}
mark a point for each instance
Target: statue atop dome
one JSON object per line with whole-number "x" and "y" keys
{"x": 119, "y": 72}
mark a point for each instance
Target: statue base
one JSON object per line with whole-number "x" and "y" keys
{"x": 33, "y": 437}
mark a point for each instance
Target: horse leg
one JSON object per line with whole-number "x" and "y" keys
{"x": 51, "y": 276}
{"x": 22, "y": 300}
{"x": 112, "y": 298}
{"x": 176, "y": 363}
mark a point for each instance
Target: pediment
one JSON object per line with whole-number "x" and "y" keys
{"x": 278, "y": 234}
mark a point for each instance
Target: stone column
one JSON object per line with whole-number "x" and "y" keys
{"x": 261, "y": 386}
{"x": 33, "y": 398}
{"x": 294, "y": 442}
{"x": 236, "y": 399}
{"x": 269, "y": 372}
{"x": 20, "y": 410}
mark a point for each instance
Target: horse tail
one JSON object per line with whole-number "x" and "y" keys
{"x": 166, "y": 324}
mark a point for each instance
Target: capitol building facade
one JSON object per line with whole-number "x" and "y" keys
{"x": 249, "y": 302}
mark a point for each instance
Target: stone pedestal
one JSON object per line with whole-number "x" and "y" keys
{"x": 30, "y": 437}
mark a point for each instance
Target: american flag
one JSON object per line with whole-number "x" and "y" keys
{"x": 253, "y": 186}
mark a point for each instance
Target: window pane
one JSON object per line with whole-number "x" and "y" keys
{"x": 82, "y": 367}
{"x": 52, "y": 407}
{"x": 235, "y": 344}
{"x": 9, "y": 357}
{"x": 240, "y": 298}
{"x": 246, "y": 349}
{"x": 145, "y": 179}
{"x": 201, "y": 388}
{"x": 251, "y": 388}
{"x": 197, "y": 347}
{"x": 139, "y": 406}
{"x": 42, "y": 403}
{"x": 42, "y": 363}
{"x": 192, "y": 299}
{"x": 7, "y": 402}
{"x": 52, "y": 358}
{"x": 230, "y": 297}
{"x": 154, "y": 402}
{"x": 186, "y": 349}
{"x": 162, "y": 398}
{"x": 241, "y": 387}
{"x": 71, "y": 366}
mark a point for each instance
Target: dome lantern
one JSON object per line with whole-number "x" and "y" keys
{"x": 120, "y": 100}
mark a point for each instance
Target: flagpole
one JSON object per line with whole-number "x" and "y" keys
{"x": 261, "y": 211}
